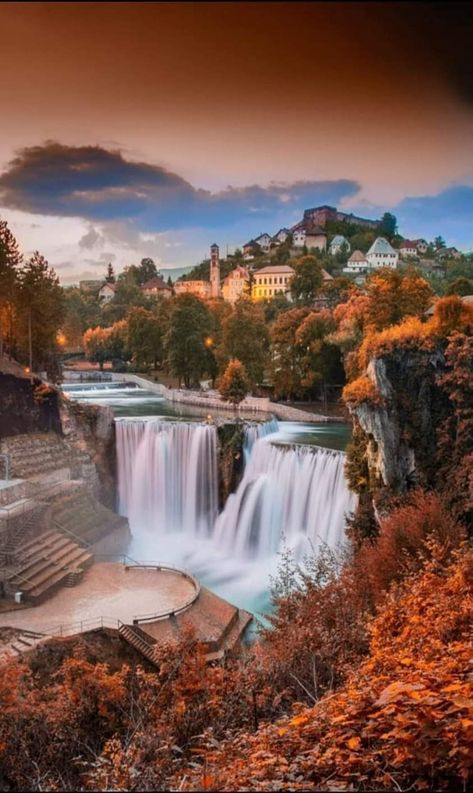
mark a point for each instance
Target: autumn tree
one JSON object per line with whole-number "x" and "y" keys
{"x": 234, "y": 384}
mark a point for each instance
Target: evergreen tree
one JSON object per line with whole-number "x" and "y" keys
{"x": 42, "y": 310}
{"x": 110, "y": 277}
{"x": 388, "y": 225}
{"x": 10, "y": 260}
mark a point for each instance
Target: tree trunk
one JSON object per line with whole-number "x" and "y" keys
{"x": 30, "y": 343}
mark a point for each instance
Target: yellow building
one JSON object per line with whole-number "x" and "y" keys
{"x": 271, "y": 280}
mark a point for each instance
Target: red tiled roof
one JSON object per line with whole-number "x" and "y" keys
{"x": 155, "y": 283}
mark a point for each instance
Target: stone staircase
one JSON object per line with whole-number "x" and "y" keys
{"x": 80, "y": 515}
{"x": 25, "y": 641}
{"x": 47, "y": 562}
{"x": 20, "y": 528}
{"x": 140, "y": 641}
{"x": 39, "y": 453}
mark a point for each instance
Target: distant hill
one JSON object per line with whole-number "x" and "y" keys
{"x": 175, "y": 272}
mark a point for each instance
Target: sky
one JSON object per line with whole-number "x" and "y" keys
{"x": 156, "y": 129}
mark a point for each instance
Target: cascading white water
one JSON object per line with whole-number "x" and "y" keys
{"x": 296, "y": 495}
{"x": 255, "y": 431}
{"x": 167, "y": 476}
{"x": 168, "y": 488}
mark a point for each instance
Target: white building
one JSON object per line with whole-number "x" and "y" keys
{"x": 382, "y": 254}
{"x": 421, "y": 245}
{"x": 264, "y": 241}
{"x": 106, "y": 293}
{"x": 314, "y": 237}
{"x": 156, "y": 287}
{"x": 337, "y": 243}
{"x": 282, "y": 235}
{"x": 357, "y": 263}
{"x": 271, "y": 280}
{"x": 408, "y": 248}
{"x": 234, "y": 284}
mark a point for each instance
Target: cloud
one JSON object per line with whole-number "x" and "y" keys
{"x": 449, "y": 213}
{"x": 100, "y": 185}
{"x": 92, "y": 239}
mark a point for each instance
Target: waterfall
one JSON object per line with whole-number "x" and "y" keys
{"x": 255, "y": 431}
{"x": 168, "y": 488}
{"x": 296, "y": 495}
{"x": 167, "y": 476}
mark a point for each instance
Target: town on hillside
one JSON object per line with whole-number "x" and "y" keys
{"x": 345, "y": 245}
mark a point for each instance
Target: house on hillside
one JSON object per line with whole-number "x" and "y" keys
{"x": 357, "y": 263}
{"x": 272, "y": 280}
{"x": 281, "y": 236}
{"x": 448, "y": 253}
{"x": 106, "y": 293}
{"x": 421, "y": 245}
{"x": 156, "y": 287}
{"x": 234, "y": 284}
{"x": 198, "y": 288}
{"x": 337, "y": 244}
{"x": 264, "y": 241}
{"x": 311, "y": 237}
{"x": 249, "y": 250}
{"x": 407, "y": 248}
{"x": 382, "y": 254}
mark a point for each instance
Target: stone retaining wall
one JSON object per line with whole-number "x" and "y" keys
{"x": 250, "y": 404}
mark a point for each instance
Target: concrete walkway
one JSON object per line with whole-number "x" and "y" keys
{"x": 106, "y": 590}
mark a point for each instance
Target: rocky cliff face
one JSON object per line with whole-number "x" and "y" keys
{"x": 231, "y": 437}
{"x": 91, "y": 429}
{"x": 401, "y": 432}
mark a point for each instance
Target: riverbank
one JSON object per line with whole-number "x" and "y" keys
{"x": 212, "y": 400}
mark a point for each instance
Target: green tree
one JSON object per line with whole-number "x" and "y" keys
{"x": 145, "y": 339}
{"x": 387, "y": 225}
{"x": 10, "y": 261}
{"x": 190, "y": 326}
{"x": 439, "y": 243}
{"x": 460, "y": 286}
{"x": 42, "y": 310}
{"x": 306, "y": 280}
{"x": 321, "y": 361}
{"x": 287, "y": 363}
{"x": 245, "y": 337}
{"x": 147, "y": 270}
{"x": 234, "y": 384}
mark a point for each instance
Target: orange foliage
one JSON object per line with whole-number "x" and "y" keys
{"x": 411, "y": 333}
{"x": 404, "y": 719}
{"x": 361, "y": 390}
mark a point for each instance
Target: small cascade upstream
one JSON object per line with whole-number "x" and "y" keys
{"x": 296, "y": 496}
{"x": 254, "y": 432}
{"x": 167, "y": 476}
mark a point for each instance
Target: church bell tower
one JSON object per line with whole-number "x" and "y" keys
{"x": 214, "y": 271}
